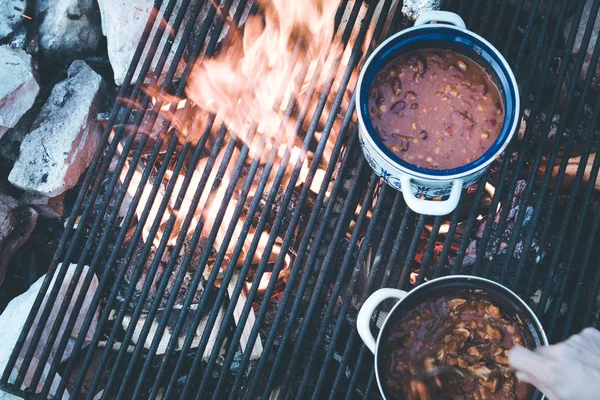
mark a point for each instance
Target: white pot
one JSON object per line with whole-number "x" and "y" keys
{"x": 428, "y": 184}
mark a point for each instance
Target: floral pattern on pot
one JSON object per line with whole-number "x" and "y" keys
{"x": 419, "y": 189}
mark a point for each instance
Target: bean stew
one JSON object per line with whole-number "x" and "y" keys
{"x": 435, "y": 108}
{"x": 467, "y": 332}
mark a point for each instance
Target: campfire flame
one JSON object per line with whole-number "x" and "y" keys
{"x": 282, "y": 55}
{"x": 255, "y": 78}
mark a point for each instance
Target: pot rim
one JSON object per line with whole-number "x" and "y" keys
{"x": 526, "y": 309}
{"x": 438, "y": 175}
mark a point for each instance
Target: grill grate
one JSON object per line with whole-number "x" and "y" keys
{"x": 358, "y": 237}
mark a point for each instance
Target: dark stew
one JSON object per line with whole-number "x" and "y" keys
{"x": 468, "y": 333}
{"x": 436, "y": 109}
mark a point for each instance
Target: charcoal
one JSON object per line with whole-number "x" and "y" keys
{"x": 16, "y": 224}
{"x": 146, "y": 264}
{"x": 578, "y": 45}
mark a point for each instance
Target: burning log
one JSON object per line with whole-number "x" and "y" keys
{"x": 166, "y": 336}
{"x": 250, "y": 321}
{"x": 570, "y": 172}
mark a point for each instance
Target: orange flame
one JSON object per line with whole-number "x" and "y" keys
{"x": 253, "y": 80}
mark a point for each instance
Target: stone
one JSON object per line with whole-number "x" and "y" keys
{"x": 46, "y": 207}
{"x": 577, "y": 46}
{"x": 7, "y": 396}
{"x": 18, "y": 86}
{"x": 16, "y": 224}
{"x": 413, "y": 8}
{"x": 11, "y": 16}
{"x": 123, "y": 23}
{"x": 54, "y": 155}
{"x": 68, "y": 29}
{"x": 13, "y": 320}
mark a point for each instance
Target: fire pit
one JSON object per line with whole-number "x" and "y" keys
{"x": 228, "y": 227}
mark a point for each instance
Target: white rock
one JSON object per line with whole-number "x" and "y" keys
{"x": 16, "y": 224}
{"x": 123, "y": 23}
{"x": 18, "y": 87}
{"x": 7, "y": 396}
{"x": 13, "y": 320}
{"x": 11, "y": 16}
{"x": 413, "y": 8}
{"x": 54, "y": 155}
{"x": 68, "y": 28}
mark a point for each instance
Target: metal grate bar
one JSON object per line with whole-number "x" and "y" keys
{"x": 62, "y": 272}
{"x": 527, "y": 137}
{"x": 346, "y": 247}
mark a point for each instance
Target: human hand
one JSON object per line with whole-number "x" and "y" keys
{"x": 565, "y": 371}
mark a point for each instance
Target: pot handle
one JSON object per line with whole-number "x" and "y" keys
{"x": 363, "y": 320}
{"x": 431, "y": 207}
{"x": 440, "y": 16}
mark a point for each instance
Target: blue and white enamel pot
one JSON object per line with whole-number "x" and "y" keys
{"x": 422, "y": 187}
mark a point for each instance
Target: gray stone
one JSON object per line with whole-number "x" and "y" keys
{"x": 54, "y": 155}
{"x": 46, "y": 207}
{"x": 11, "y": 18}
{"x": 18, "y": 87}
{"x": 68, "y": 28}
{"x": 123, "y": 23}
{"x": 577, "y": 46}
{"x": 7, "y": 396}
{"x": 16, "y": 224}
{"x": 14, "y": 317}
{"x": 413, "y": 8}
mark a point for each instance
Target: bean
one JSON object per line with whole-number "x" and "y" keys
{"x": 414, "y": 106}
{"x": 379, "y": 99}
{"x": 410, "y": 95}
{"x": 421, "y": 66}
{"x": 435, "y": 57}
{"x": 423, "y": 135}
{"x": 398, "y": 106}
{"x": 383, "y": 133}
{"x": 397, "y": 86}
